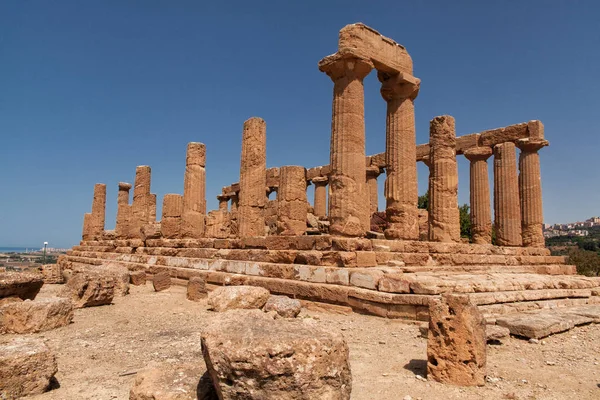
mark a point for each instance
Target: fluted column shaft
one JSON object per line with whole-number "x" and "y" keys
{"x": 172, "y": 211}
{"x": 253, "y": 179}
{"x": 507, "y": 209}
{"x": 320, "y": 201}
{"x": 292, "y": 205}
{"x": 194, "y": 191}
{"x": 142, "y": 199}
{"x": 93, "y": 223}
{"x": 481, "y": 215}
{"x": 444, "y": 220}
{"x": 530, "y": 192}
{"x": 347, "y": 182}
{"x": 401, "y": 186}
{"x": 122, "y": 225}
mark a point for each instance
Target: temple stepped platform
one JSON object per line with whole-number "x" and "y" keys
{"x": 392, "y": 279}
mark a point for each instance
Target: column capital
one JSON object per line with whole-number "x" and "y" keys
{"x": 222, "y": 197}
{"x": 124, "y": 186}
{"x": 337, "y": 66}
{"x": 531, "y": 145}
{"x": 373, "y": 172}
{"x": 398, "y": 86}
{"x": 478, "y": 153}
{"x": 320, "y": 180}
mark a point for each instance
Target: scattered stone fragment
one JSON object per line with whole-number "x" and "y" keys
{"x": 21, "y": 284}
{"x": 27, "y": 367}
{"x": 250, "y": 355}
{"x": 35, "y": 316}
{"x": 232, "y": 297}
{"x": 284, "y": 306}
{"x": 137, "y": 278}
{"x": 161, "y": 281}
{"x": 53, "y": 273}
{"x": 172, "y": 382}
{"x": 536, "y": 325}
{"x": 196, "y": 288}
{"x": 496, "y": 333}
{"x": 120, "y": 275}
{"x": 89, "y": 289}
{"x": 456, "y": 352}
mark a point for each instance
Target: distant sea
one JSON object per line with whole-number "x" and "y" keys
{"x": 18, "y": 249}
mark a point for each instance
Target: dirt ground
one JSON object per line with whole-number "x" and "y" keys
{"x": 99, "y": 353}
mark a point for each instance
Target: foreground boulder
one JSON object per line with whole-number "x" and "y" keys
{"x": 27, "y": 367}
{"x": 234, "y": 297}
{"x": 35, "y": 316}
{"x": 456, "y": 342}
{"x": 284, "y": 306}
{"x": 250, "y": 355}
{"x": 89, "y": 289}
{"x": 24, "y": 285}
{"x": 172, "y": 382}
{"x": 161, "y": 281}
{"x": 120, "y": 274}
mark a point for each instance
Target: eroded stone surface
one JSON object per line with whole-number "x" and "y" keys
{"x": 250, "y": 355}
{"x": 35, "y": 316}
{"x": 196, "y": 288}
{"x": 161, "y": 281}
{"x": 137, "y": 278}
{"x": 21, "y": 284}
{"x": 232, "y": 297}
{"x": 284, "y": 306}
{"x": 89, "y": 288}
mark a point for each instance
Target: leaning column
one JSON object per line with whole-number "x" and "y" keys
{"x": 320, "y": 201}
{"x": 347, "y": 181}
{"x": 530, "y": 192}
{"x": 194, "y": 191}
{"x": 481, "y": 216}
{"x": 123, "y": 211}
{"x": 444, "y": 222}
{"x": 253, "y": 179}
{"x": 506, "y": 196}
{"x": 292, "y": 205}
{"x": 401, "y": 191}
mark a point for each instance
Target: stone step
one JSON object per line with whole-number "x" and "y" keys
{"x": 493, "y": 311}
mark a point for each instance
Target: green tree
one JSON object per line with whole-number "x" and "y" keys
{"x": 423, "y": 202}
{"x": 587, "y": 262}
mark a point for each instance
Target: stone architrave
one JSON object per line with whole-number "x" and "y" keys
{"x": 170, "y": 224}
{"x": 444, "y": 222}
{"x": 507, "y": 209}
{"x": 93, "y": 224}
{"x": 401, "y": 187}
{"x": 530, "y": 192}
{"x": 142, "y": 201}
{"x": 253, "y": 178}
{"x": 122, "y": 226}
{"x": 347, "y": 182}
{"x": 481, "y": 214}
{"x": 372, "y": 174}
{"x": 194, "y": 191}
{"x": 320, "y": 201}
{"x": 292, "y": 205}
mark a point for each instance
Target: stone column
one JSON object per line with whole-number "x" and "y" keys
{"x": 194, "y": 191}
{"x": 320, "y": 203}
{"x": 530, "y": 192}
{"x": 93, "y": 223}
{"x": 401, "y": 186}
{"x": 152, "y": 208}
{"x": 481, "y": 214}
{"x": 123, "y": 211}
{"x": 170, "y": 224}
{"x": 235, "y": 201}
{"x": 141, "y": 199}
{"x": 444, "y": 219}
{"x": 253, "y": 179}
{"x": 347, "y": 181}
{"x": 222, "y": 202}
{"x": 292, "y": 205}
{"x": 506, "y": 196}
{"x": 372, "y": 174}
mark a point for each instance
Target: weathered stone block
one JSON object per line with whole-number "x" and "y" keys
{"x": 196, "y": 288}
{"x": 234, "y": 297}
{"x": 284, "y": 306}
{"x": 137, "y": 278}
{"x": 172, "y": 382}
{"x": 161, "y": 281}
{"x": 35, "y": 316}
{"x": 88, "y": 289}
{"x": 22, "y": 284}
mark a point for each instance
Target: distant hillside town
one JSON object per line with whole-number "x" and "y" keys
{"x": 572, "y": 228}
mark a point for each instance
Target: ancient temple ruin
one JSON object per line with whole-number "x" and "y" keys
{"x": 327, "y": 251}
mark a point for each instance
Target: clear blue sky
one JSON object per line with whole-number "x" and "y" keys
{"x": 89, "y": 90}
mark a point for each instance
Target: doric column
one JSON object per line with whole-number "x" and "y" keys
{"x": 172, "y": 210}
{"x": 506, "y": 196}
{"x": 222, "y": 202}
{"x": 481, "y": 214}
{"x": 141, "y": 199}
{"x": 372, "y": 174}
{"x": 530, "y": 192}
{"x": 253, "y": 179}
{"x": 123, "y": 211}
{"x": 152, "y": 208}
{"x": 292, "y": 205}
{"x": 235, "y": 201}
{"x": 401, "y": 186}
{"x": 347, "y": 181}
{"x": 320, "y": 203}
{"x": 93, "y": 223}
{"x": 444, "y": 220}
{"x": 194, "y": 191}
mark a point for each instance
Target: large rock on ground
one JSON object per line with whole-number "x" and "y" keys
{"x": 196, "y": 288}
{"x": 53, "y": 273}
{"x": 120, "y": 275}
{"x": 137, "y": 278}
{"x": 20, "y": 284}
{"x": 35, "y": 316}
{"x": 90, "y": 288}
{"x": 232, "y": 297}
{"x": 456, "y": 352}
{"x": 172, "y": 382}
{"x": 250, "y": 355}
{"x": 27, "y": 367}
{"x": 540, "y": 324}
{"x": 161, "y": 281}
{"x": 284, "y": 306}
